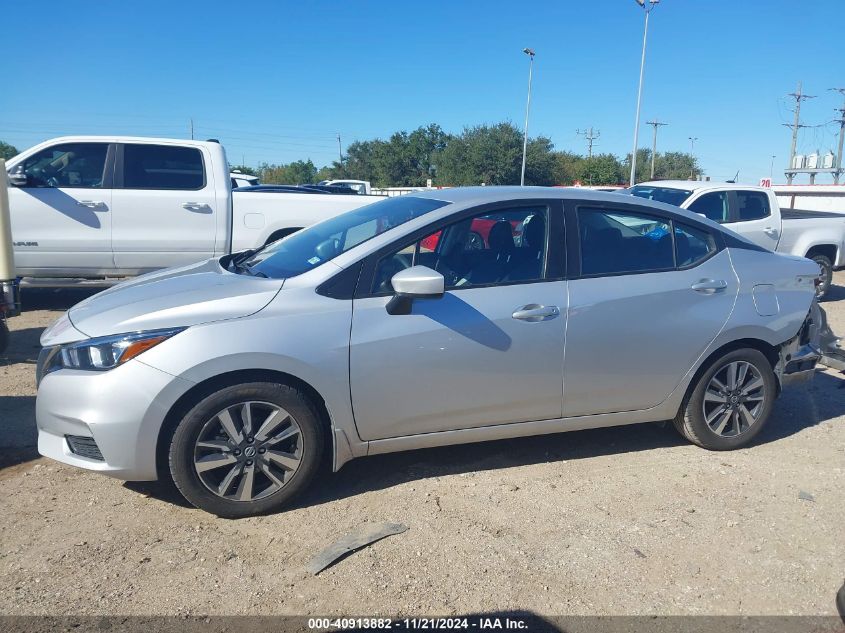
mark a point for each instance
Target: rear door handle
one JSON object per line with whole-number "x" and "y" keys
{"x": 534, "y": 312}
{"x": 195, "y": 206}
{"x": 709, "y": 286}
{"x": 91, "y": 204}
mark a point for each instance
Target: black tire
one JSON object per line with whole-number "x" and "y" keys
{"x": 691, "y": 423}
{"x": 826, "y": 267}
{"x": 183, "y": 450}
{"x": 4, "y": 336}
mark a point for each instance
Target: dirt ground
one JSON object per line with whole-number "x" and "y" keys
{"x": 629, "y": 520}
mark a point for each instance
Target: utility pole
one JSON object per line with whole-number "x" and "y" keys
{"x": 530, "y": 52}
{"x": 839, "y": 170}
{"x": 339, "y": 149}
{"x": 590, "y": 136}
{"x": 692, "y": 140}
{"x": 192, "y": 128}
{"x": 648, "y": 7}
{"x": 655, "y": 124}
{"x": 799, "y": 97}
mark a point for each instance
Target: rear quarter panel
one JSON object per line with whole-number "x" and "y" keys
{"x": 792, "y": 278}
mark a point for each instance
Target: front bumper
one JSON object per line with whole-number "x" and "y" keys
{"x": 122, "y": 410}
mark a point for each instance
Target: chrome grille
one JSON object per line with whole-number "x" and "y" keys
{"x": 84, "y": 446}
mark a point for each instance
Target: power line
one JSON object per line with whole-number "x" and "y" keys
{"x": 799, "y": 97}
{"x": 839, "y": 171}
{"x": 655, "y": 124}
{"x": 590, "y": 136}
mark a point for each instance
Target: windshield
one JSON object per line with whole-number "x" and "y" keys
{"x": 321, "y": 242}
{"x": 660, "y": 194}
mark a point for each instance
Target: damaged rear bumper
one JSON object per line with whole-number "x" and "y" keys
{"x": 815, "y": 344}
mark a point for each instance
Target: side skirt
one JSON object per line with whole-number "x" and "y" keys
{"x": 506, "y": 431}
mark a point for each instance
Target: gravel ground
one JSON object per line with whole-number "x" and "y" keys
{"x": 629, "y": 520}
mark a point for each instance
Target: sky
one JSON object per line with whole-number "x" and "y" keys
{"x": 278, "y": 81}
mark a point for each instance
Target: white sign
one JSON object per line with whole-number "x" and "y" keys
{"x": 765, "y": 182}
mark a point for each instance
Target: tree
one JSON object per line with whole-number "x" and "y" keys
{"x": 667, "y": 166}
{"x": 7, "y": 151}
{"x": 296, "y": 173}
{"x": 600, "y": 169}
{"x": 493, "y": 155}
{"x": 567, "y": 165}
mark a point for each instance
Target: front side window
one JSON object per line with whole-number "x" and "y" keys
{"x": 69, "y": 165}
{"x": 162, "y": 167}
{"x": 498, "y": 247}
{"x": 713, "y": 206}
{"x": 692, "y": 245}
{"x": 615, "y": 242}
{"x": 752, "y": 205}
{"x": 321, "y": 242}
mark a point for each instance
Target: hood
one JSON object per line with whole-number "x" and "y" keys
{"x": 174, "y": 297}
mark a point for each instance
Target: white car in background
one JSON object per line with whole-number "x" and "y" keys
{"x": 105, "y": 207}
{"x": 243, "y": 180}
{"x": 754, "y": 213}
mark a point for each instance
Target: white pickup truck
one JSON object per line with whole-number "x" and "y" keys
{"x": 754, "y": 213}
{"x": 97, "y": 207}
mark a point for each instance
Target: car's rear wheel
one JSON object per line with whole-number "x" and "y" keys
{"x": 826, "y": 275}
{"x": 247, "y": 449}
{"x": 730, "y": 402}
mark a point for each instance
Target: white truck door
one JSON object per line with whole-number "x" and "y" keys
{"x": 753, "y": 217}
{"x": 165, "y": 208}
{"x": 62, "y": 210}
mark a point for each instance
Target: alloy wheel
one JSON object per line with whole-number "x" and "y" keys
{"x": 734, "y": 399}
{"x": 248, "y": 451}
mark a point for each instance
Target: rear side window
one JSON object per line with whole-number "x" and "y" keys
{"x": 615, "y": 242}
{"x": 752, "y": 205}
{"x": 714, "y": 206}
{"x": 692, "y": 245}
{"x": 162, "y": 167}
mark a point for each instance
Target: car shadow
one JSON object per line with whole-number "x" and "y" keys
{"x": 18, "y": 436}
{"x": 66, "y": 205}
{"x": 799, "y": 408}
{"x": 54, "y": 298}
{"x": 802, "y": 407}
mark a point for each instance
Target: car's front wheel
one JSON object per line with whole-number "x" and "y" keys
{"x": 730, "y": 402}
{"x": 247, "y": 449}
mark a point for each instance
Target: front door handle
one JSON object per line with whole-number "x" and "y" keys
{"x": 709, "y": 286}
{"x": 195, "y": 206}
{"x": 534, "y": 312}
{"x": 91, "y": 204}
{"x": 771, "y": 232}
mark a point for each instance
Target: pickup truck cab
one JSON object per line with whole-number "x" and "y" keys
{"x": 754, "y": 213}
{"x": 101, "y": 207}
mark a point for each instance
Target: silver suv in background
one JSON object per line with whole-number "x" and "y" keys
{"x": 424, "y": 320}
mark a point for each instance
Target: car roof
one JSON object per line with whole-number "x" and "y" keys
{"x": 470, "y": 196}
{"x": 696, "y": 185}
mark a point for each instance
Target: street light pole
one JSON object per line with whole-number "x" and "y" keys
{"x": 648, "y": 6}
{"x": 530, "y": 53}
{"x": 692, "y": 140}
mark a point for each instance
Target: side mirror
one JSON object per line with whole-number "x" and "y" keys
{"x": 17, "y": 177}
{"x": 417, "y": 282}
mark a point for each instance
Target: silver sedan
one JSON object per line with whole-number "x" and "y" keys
{"x": 430, "y": 319}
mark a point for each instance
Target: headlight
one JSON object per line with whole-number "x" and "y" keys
{"x": 100, "y": 354}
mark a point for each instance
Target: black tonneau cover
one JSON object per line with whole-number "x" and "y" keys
{"x": 803, "y": 214}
